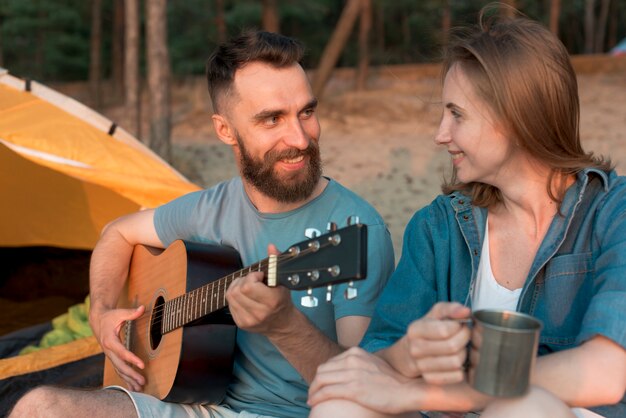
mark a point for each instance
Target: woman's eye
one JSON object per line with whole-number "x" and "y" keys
{"x": 455, "y": 114}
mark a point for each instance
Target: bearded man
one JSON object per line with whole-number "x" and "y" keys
{"x": 265, "y": 110}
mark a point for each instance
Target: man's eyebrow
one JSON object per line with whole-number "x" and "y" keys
{"x": 272, "y": 113}
{"x": 311, "y": 105}
{"x": 268, "y": 113}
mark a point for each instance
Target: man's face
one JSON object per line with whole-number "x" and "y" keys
{"x": 289, "y": 187}
{"x": 277, "y": 131}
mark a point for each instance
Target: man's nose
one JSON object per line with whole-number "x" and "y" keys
{"x": 297, "y": 136}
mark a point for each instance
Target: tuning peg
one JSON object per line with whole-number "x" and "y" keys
{"x": 331, "y": 226}
{"x": 351, "y": 291}
{"x": 329, "y": 295}
{"x": 353, "y": 220}
{"x": 309, "y": 301}
{"x": 311, "y": 233}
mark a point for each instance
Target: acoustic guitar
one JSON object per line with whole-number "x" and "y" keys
{"x": 186, "y": 338}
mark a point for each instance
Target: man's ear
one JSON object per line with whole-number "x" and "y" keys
{"x": 224, "y": 132}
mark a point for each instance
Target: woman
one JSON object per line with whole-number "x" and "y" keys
{"x": 529, "y": 222}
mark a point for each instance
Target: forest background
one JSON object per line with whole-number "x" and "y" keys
{"x": 372, "y": 63}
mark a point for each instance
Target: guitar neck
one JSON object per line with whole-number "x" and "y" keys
{"x": 204, "y": 300}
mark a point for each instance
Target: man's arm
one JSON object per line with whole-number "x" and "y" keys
{"x": 306, "y": 347}
{"x": 110, "y": 261}
{"x": 270, "y": 311}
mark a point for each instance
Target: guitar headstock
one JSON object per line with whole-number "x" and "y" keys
{"x": 335, "y": 257}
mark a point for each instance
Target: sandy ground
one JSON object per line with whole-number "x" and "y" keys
{"x": 378, "y": 142}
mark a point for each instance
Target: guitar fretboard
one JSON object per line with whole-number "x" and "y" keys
{"x": 202, "y": 301}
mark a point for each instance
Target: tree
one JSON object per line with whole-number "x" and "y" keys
{"x": 601, "y": 26}
{"x": 131, "y": 66}
{"x": 446, "y": 22}
{"x": 95, "y": 67}
{"x": 117, "y": 49}
{"x": 158, "y": 77}
{"x": 365, "y": 25}
{"x": 509, "y": 11}
{"x": 335, "y": 45}
{"x": 270, "y": 16}
{"x": 555, "y": 13}
{"x": 589, "y": 25}
{"x": 220, "y": 21}
{"x": 1, "y": 54}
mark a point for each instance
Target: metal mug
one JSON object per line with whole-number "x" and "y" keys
{"x": 503, "y": 351}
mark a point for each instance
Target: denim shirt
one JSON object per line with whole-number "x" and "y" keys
{"x": 576, "y": 285}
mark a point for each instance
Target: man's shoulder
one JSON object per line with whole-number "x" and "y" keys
{"x": 352, "y": 203}
{"x": 223, "y": 191}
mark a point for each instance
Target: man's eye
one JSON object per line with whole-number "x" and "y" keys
{"x": 272, "y": 120}
{"x": 455, "y": 114}
{"x": 308, "y": 113}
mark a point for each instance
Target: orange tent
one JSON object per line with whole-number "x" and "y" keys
{"x": 66, "y": 171}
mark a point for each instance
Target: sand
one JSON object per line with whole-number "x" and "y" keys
{"x": 379, "y": 142}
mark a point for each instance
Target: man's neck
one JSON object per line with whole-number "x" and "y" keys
{"x": 266, "y": 204}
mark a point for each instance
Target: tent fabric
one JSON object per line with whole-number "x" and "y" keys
{"x": 65, "y": 172}
{"x": 64, "y": 176}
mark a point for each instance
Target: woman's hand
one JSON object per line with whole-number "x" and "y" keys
{"x": 434, "y": 346}
{"x": 364, "y": 378}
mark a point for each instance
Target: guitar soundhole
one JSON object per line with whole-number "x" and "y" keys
{"x": 155, "y": 323}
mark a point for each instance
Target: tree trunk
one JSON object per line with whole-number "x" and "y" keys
{"x": 380, "y": 25}
{"x": 509, "y": 11}
{"x": 158, "y": 77}
{"x": 220, "y": 21}
{"x": 555, "y": 13}
{"x": 365, "y": 27}
{"x": 117, "y": 49}
{"x": 446, "y": 22}
{"x": 270, "y": 16}
{"x": 131, "y": 66}
{"x": 335, "y": 45}
{"x": 1, "y": 52}
{"x": 589, "y": 22}
{"x": 612, "y": 30}
{"x": 601, "y": 27}
{"x": 95, "y": 67}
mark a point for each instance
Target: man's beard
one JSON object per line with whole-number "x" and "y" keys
{"x": 289, "y": 188}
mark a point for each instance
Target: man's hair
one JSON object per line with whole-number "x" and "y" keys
{"x": 524, "y": 74}
{"x": 251, "y": 46}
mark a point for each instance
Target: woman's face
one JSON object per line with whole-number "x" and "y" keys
{"x": 480, "y": 149}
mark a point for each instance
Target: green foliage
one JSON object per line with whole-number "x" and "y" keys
{"x": 45, "y": 39}
{"x": 50, "y": 39}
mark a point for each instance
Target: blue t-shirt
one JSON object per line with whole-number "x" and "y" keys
{"x": 263, "y": 381}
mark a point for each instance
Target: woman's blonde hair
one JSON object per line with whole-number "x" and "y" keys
{"x": 523, "y": 72}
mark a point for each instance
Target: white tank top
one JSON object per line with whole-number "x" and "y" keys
{"x": 488, "y": 293}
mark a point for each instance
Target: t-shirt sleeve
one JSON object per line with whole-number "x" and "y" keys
{"x": 380, "y": 264}
{"x": 175, "y": 219}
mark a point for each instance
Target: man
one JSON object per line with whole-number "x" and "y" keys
{"x": 265, "y": 110}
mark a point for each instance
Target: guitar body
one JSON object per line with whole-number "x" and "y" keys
{"x": 192, "y": 363}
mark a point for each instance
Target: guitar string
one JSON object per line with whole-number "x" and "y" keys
{"x": 157, "y": 314}
{"x": 260, "y": 266}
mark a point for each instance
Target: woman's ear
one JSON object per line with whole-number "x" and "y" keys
{"x": 223, "y": 130}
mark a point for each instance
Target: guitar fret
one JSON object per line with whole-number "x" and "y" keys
{"x": 221, "y": 294}
{"x": 166, "y": 318}
{"x": 177, "y": 319}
